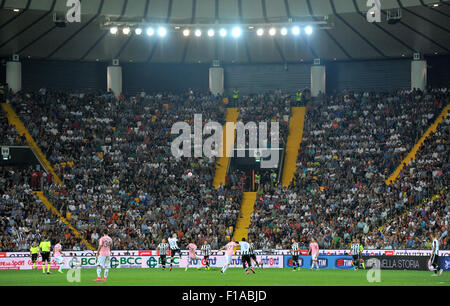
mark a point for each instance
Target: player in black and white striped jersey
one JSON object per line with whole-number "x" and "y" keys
{"x": 174, "y": 249}
{"x": 163, "y": 247}
{"x": 245, "y": 254}
{"x": 356, "y": 253}
{"x": 252, "y": 253}
{"x": 295, "y": 251}
{"x": 434, "y": 258}
{"x": 206, "y": 250}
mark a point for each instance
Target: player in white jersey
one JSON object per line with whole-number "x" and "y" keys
{"x": 434, "y": 258}
{"x": 245, "y": 254}
{"x": 103, "y": 256}
{"x": 174, "y": 249}
{"x": 58, "y": 256}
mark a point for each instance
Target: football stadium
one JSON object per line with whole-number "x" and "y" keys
{"x": 224, "y": 143}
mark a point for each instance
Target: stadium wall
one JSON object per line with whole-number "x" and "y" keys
{"x": 376, "y": 75}
{"x": 63, "y": 75}
{"x": 438, "y": 72}
{"x": 264, "y": 77}
{"x": 164, "y": 77}
{"x": 3, "y": 72}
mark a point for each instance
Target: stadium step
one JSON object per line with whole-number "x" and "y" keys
{"x": 412, "y": 154}
{"x": 226, "y": 146}
{"x": 22, "y": 130}
{"x": 52, "y": 208}
{"x": 243, "y": 222}
{"x": 296, "y": 123}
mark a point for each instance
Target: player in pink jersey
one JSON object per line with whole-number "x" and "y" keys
{"x": 192, "y": 248}
{"x": 57, "y": 254}
{"x": 103, "y": 256}
{"x": 314, "y": 251}
{"x": 229, "y": 251}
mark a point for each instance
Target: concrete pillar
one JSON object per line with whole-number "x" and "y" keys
{"x": 14, "y": 75}
{"x": 317, "y": 80}
{"x": 418, "y": 74}
{"x": 216, "y": 80}
{"x": 114, "y": 79}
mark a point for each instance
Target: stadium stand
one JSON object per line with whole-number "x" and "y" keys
{"x": 112, "y": 158}
{"x": 351, "y": 142}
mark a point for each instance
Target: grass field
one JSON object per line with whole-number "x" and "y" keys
{"x": 233, "y": 277}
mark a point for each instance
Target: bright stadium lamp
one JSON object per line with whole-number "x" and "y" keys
{"x": 138, "y": 31}
{"x": 150, "y": 31}
{"x": 260, "y": 32}
{"x": 295, "y": 30}
{"x": 186, "y": 32}
{"x": 272, "y": 31}
{"x": 283, "y": 31}
{"x": 198, "y": 33}
{"x": 113, "y": 30}
{"x": 308, "y": 30}
{"x": 126, "y": 30}
{"x": 223, "y": 32}
{"x": 162, "y": 31}
{"x": 236, "y": 32}
{"x": 211, "y": 32}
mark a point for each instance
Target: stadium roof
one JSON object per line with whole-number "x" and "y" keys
{"x": 27, "y": 28}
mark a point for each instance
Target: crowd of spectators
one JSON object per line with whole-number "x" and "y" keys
{"x": 351, "y": 143}
{"x": 23, "y": 218}
{"x": 9, "y": 135}
{"x": 114, "y": 158}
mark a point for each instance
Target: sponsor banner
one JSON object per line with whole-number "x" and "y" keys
{"x": 8, "y": 263}
{"x": 445, "y": 263}
{"x": 324, "y": 261}
{"x": 88, "y": 253}
{"x": 90, "y": 262}
{"x": 269, "y": 261}
{"x": 400, "y": 262}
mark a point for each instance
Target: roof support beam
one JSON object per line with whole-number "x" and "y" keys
{"x": 79, "y": 30}
{"x": 355, "y": 31}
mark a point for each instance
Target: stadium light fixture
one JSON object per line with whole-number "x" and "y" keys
{"x": 223, "y": 32}
{"x": 272, "y": 31}
{"x": 211, "y": 32}
{"x": 260, "y": 32}
{"x": 126, "y": 30}
{"x": 236, "y": 32}
{"x": 283, "y": 31}
{"x": 150, "y": 31}
{"x": 295, "y": 30}
{"x": 308, "y": 30}
{"x": 113, "y": 30}
{"x": 186, "y": 32}
{"x": 138, "y": 31}
{"x": 162, "y": 31}
{"x": 198, "y": 33}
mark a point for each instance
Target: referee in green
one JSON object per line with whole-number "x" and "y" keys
{"x": 44, "y": 248}
{"x": 34, "y": 251}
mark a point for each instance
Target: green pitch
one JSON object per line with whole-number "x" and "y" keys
{"x": 233, "y": 277}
